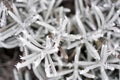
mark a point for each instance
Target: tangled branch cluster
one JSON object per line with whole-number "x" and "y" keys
{"x": 84, "y": 45}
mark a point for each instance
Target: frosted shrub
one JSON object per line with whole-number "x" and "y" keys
{"x": 84, "y": 45}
